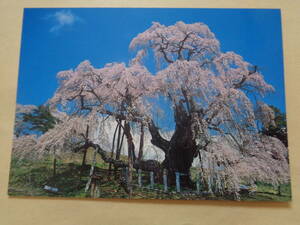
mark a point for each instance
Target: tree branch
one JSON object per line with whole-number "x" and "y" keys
{"x": 104, "y": 156}
{"x": 157, "y": 139}
{"x": 244, "y": 79}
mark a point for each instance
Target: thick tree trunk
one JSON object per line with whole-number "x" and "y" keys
{"x": 131, "y": 155}
{"x": 118, "y": 152}
{"x": 113, "y": 144}
{"x": 119, "y": 147}
{"x": 180, "y": 150}
{"x": 84, "y": 158}
{"x": 140, "y": 155}
{"x": 85, "y": 149}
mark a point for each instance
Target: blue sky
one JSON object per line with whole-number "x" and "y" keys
{"x": 59, "y": 39}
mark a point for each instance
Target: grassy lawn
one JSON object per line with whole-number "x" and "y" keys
{"x": 266, "y": 192}
{"x": 28, "y": 178}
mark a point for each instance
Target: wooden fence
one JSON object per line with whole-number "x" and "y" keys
{"x": 145, "y": 180}
{"x": 166, "y": 186}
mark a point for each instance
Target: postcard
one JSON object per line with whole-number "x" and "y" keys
{"x": 151, "y": 103}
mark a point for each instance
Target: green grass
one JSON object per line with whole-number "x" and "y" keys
{"x": 266, "y": 192}
{"x": 27, "y": 178}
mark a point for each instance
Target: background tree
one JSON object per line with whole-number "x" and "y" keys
{"x": 40, "y": 119}
{"x": 279, "y": 129}
{"x": 22, "y": 128}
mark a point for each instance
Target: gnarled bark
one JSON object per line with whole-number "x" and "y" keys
{"x": 180, "y": 150}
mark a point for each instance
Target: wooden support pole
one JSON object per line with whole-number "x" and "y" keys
{"x": 218, "y": 184}
{"x": 126, "y": 175}
{"x": 97, "y": 191}
{"x": 198, "y": 183}
{"x": 209, "y": 181}
{"x": 93, "y": 185}
{"x": 279, "y": 189}
{"x": 140, "y": 177}
{"x": 165, "y": 179}
{"x": 87, "y": 186}
{"x": 177, "y": 181}
{"x": 151, "y": 179}
{"x": 130, "y": 180}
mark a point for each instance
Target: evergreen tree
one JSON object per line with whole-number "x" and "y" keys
{"x": 40, "y": 119}
{"x": 280, "y": 129}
